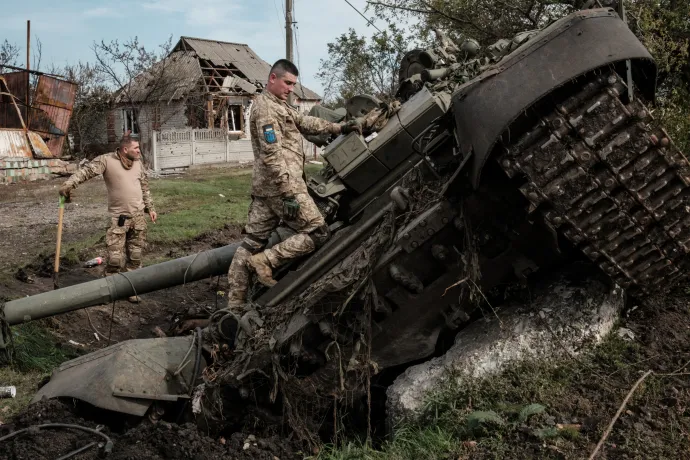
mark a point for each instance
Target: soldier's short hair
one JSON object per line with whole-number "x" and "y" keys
{"x": 126, "y": 141}
{"x": 283, "y": 66}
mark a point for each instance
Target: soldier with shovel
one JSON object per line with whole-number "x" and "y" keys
{"x": 129, "y": 199}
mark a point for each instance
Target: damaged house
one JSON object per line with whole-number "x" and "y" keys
{"x": 193, "y": 107}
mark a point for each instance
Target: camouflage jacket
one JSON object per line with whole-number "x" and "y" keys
{"x": 276, "y": 130}
{"x": 128, "y": 189}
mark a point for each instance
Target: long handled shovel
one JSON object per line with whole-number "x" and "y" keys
{"x": 61, "y": 211}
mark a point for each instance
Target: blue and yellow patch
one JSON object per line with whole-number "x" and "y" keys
{"x": 269, "y": 134}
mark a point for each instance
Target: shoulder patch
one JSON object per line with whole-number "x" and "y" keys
{"x": 269, "y": 134}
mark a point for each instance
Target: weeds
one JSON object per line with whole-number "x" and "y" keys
{"x": 498, "y": 416}
{"x": 35, "y": 355}
{"x": 36, "y": 350}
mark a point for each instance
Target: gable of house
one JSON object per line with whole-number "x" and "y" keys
{"x": 220, "y": 59}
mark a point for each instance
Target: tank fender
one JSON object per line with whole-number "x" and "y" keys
{"x": 573, "y": 46}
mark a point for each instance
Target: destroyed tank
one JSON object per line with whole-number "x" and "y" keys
{"x": 490, "y": 168}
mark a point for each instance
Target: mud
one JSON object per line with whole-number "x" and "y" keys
{"x": 146, "y": 441}
{"x": 130, "y": 321}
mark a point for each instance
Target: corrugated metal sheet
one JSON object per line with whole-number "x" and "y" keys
{"x": 180, "y": 72}
{"x": 41, "y": 150}
{"x": 16, "y": 83}
{"x": 239, "y": 55}
{"x": 56, "y": 99}
{"x": 14, "y": 143}
{"x": 9, "y": 118}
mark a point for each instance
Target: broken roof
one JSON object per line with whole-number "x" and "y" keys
{"x": 167, "y": 80}
{"x": 238, "y": 55}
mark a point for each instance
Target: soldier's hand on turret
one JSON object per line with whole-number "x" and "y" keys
{"x": 350, "y": 126}
{"x": 290, "y": 207}
{"x": 66, "y": 190}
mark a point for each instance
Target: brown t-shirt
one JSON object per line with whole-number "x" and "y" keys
{"x": 128, "y": 189}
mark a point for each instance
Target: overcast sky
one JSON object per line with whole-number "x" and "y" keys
{"x": 68, "y": 28}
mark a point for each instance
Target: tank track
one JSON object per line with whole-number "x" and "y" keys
{"x": 607, "y": 176}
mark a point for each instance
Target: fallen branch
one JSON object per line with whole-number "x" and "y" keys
{"x": 488, "y": 303}
{"x": 464, "y": 280}
{"x": 615, "y": 418}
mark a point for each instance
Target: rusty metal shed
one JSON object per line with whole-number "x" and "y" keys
{"x": 16, "y": 141}
{"x": 55, "y": 98}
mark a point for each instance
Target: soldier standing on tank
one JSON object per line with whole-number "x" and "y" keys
{"x": 279, "y": 189}
{"x": 129, "y": 199}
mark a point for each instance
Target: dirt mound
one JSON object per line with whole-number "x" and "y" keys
{"x": 145, "y": 441}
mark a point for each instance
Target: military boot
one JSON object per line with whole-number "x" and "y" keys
{"x": 259, "y": 263}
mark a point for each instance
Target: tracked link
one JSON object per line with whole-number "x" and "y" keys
{"x": 608, "y": 177}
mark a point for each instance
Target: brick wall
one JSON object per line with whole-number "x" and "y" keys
{"x": 165, "y": 116}
{"x": 13, "y": 170}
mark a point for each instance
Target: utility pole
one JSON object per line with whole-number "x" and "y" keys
{"x": 288, "y": 38}
{"x": 28, "y": 73}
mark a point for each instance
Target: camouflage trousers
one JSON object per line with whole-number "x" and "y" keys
{"x": 265, "y": 213}
{"x": 125, "y": 244}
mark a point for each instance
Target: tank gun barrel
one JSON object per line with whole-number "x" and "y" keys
{"x": 121, "y": 286}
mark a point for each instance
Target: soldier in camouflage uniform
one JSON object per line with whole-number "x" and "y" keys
{"x": 279, "y": 189}
{"x": 129, "y": 199}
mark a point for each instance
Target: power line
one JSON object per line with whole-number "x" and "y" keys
{"x": 299, "y": 64}
{"x": 360, "y": 13}
{"x": 279, "y": 21}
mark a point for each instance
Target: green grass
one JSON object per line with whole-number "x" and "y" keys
{"x": 191, "y": 205}
{"x": 495, "y": 416}
{"x": 35, "y": 355}
{"x": 36, "y": 350}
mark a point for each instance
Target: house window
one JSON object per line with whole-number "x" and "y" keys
{"x": 129, "y": 121}
{"x": 235, "y": 118}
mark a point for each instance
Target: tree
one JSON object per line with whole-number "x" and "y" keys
{"x": 91, "y": 102}
{"x": 356, "y": 65}
{"x": 9, "y": 52}
{"x": 663, "y": 26}
{"x": 143, "y": 80}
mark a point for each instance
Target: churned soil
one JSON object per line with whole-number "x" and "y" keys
{"x": 145, "y": 441}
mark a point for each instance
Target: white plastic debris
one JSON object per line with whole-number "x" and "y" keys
{"x": 8, "y": 392}
{"x": 371, "y": 137}
{"x": 221, "y": 195}
{"x": 196, "y": 398}
{"x": 626, "y": 334}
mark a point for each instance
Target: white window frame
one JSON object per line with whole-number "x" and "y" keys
{"x": 129, "y": 121}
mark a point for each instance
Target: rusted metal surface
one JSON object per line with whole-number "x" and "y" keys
{"x": 14, "y": 85}
{"x": 15, "y": 140}
{"x": 55, "y": 98}
{"x": 40, "y": 149}
{"x": 14, "y": 144}
{"x": 17, "y": 143}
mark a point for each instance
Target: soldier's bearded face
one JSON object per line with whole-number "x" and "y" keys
{"x": 282, "y": 86}
{"x": 132, "y": 152}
